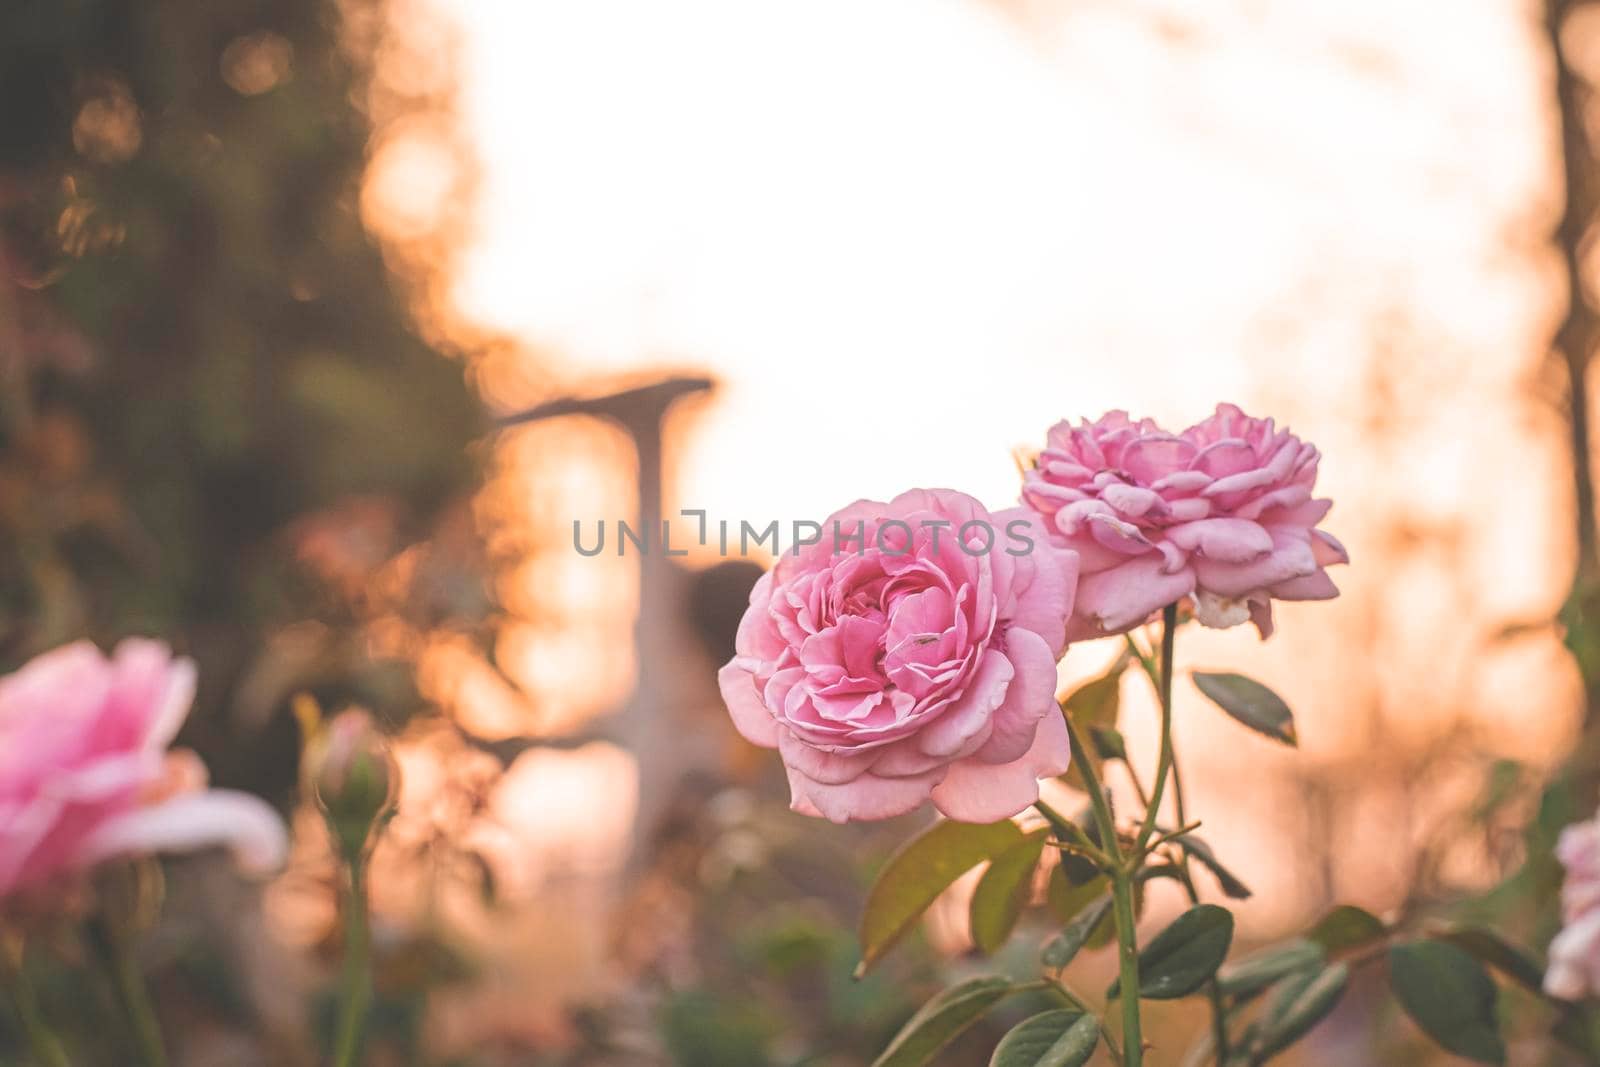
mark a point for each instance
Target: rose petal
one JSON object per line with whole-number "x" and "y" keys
{"x": 1228, "y": 540}
{"x": 1123, "y": 597}
{"x": 867, "y": 797}
{"x": 750, "y": 714}
{"x": 1290, "y": 558}
{"x": 973, "y": 713}
{"x": 980, "y": 792}
{"x": 1030, "y": 696}
{"x": 243, "y": 822}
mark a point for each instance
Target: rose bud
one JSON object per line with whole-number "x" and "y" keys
{"x": 352, "y": 777}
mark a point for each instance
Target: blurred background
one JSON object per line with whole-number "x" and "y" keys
{"x": 321, "y": 321}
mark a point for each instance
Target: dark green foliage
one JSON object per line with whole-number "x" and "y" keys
{"x": 205, "y": 348}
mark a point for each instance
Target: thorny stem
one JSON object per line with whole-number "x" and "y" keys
{"x": 1171, "y": 835}
{"x": 1128, "y": 966}
{"x": 1073, "y": 839}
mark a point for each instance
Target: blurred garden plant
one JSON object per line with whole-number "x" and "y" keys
{"x": 348, "y": 771}
{"x": 86, "y": 779}
{"x": 205, "y": 352}
{"x": 927, "y": 672}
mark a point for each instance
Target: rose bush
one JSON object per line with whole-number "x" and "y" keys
{"x": 1222, "y": 513}
{"x": 85, "y": 775}
{"x": 909, "y": 656}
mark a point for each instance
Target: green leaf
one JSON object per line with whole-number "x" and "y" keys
{"x": 941, "y": 1021}
{"x": 1494, "y": 950}
{"x": 1067, "y": 901}
{"x": 1003, "y": 892}
{"x": 1179, "y": 959}
{"x": 1201, "y": 853}
{"x": 1345, "y": 928}
{"x": 1060, "y": 1038}
{"x": 1093, "y": 704}
{"x": 1060, "y": 950}
{"x": 916, "y": 875}
{"x": 1108, "y": 742}
{"x": 1076, "y": 869}
{"x": 1067, "y": 898}
{"x": 1255, "y": 973}
{"x": 1450, "y": 996}
{"x": 1301, "y": 1004}
{"x": 1251, "y": 703}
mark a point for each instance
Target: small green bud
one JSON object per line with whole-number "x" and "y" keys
{"x": 352, "y": 777}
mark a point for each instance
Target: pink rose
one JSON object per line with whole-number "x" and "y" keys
{"x": 1222, "y": 513}
{"x": 1574, "y": 970}
{"x": 909, "y": 658}
{"x": 85, "y": 775}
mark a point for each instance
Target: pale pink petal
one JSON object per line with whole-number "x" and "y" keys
{"x": 243, "y": 822}
{"x": 153, "y": 687}
{"x": 749, "y": 713}
{"x": 973, "y": 713}
{"x": 1119, "y": 599}
{"x": 1574, "y": 953}
{"x": 104, "y": 778}
{"x": 1316, "y": 586}
{"x": 980, "y": 792}
{"x": 1290, "y": 558}
{"x": 1045, "y": 602}
{"x": 868, "y": 797}
{"x": 24, "y": 837}
{"x": 758, "y": 635}
{"x": 1228, "y": 540}
{"x": 827, "y": 768}
{"x": 172, "y": 707}
{"x": 1328, "y": 549}
{"x": 1030, "y": 696}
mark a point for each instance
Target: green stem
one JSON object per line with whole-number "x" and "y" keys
{"x": 136, "y": 1002}
{"x": 1219, "y": 1012}
{"x": 1161, "y": 678}
{"x": 109, "y": 941}
{"x": 1145, "y": 660}
{"x": 1128, "y": 967}
{"x": 1169, "y": 630}
{"x": 1122, "y": 902}
{"x": 1071, "y": 835}
{"x": 46, "y": 1048}
{"x": 356, "y": 986}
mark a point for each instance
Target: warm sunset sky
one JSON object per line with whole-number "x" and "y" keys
{"x": 880, "y": 222}
{"x": 907, "y": 235}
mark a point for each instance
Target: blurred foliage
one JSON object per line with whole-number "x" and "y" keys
{"x": 214, "y": 403}
{"x": 220, "y": 424}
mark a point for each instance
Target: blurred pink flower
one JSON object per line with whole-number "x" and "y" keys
{"x": 909, "y": 658}
{"x": 1574, "y": 970}
{"x": 1222, "y": 513}
{"x": 85, "y": 775}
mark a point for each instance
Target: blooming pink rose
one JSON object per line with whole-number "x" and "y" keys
{"x": 85, "y": 775}
{"x": 1574, "y": 970}
{"x": 915, "y": 661}
{"x": 1221, "y": 512}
